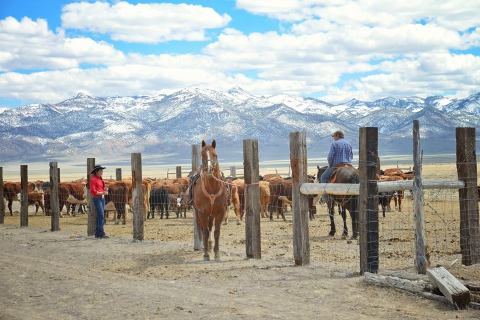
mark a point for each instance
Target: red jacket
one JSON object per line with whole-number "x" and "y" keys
{"x": 96, "y": 185}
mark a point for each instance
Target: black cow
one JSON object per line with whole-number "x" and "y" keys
{"x": 159, "y": 198}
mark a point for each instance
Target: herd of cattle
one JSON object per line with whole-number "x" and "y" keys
{"x": 161, "y": 196}
{"x": 164, "y": 196}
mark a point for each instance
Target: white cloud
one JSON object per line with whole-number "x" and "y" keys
{"x": 424, "y": 74}
{"x": 453, "y": 14}
{"x": 28, "y": 44}
{"x": 145, "y": 23}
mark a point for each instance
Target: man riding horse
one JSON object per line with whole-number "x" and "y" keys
{"x": 340, "y": 170}
{"x": 340, "y": 154}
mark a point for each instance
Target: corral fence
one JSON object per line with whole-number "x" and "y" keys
{"x": 367, "y": 192}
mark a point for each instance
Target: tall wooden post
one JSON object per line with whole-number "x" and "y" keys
{"x": 197, "y": 233}
{"x": 233, "y": 170}
{"x": 118, "y": 174}
{"x": 137, "y": 195}
{"x": 469, "y": 216}
{"x": 252, "y": 199}
{"x": 24, "y": 196}
{"x": 92, "y": 215}
{"x": 368, "y": 200}
{"x": 298, "y": 162}
{"x": 179, "y": 172}
{"x": 2, "y": 203}
{"x": 420, "y": 260}
{"x": 54, "y": 203}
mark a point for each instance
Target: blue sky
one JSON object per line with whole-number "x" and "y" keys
{"x": 51, "y": 50}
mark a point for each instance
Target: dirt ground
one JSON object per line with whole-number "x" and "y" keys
{"x": 66, "y": 275}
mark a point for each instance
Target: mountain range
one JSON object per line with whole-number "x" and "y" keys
{"x": 167, "y": 125}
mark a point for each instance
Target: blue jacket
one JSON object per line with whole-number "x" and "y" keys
{"x": 340, "y": 152}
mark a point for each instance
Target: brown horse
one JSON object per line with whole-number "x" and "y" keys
{"x": 343, "y": 175}
{"x": 210, "y": 199}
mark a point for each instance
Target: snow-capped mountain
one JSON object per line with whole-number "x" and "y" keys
{"x": 169, "y": 124}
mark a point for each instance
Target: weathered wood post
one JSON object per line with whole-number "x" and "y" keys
{"x": 420, "y": 260}
{"x": 92, "y": 215}
{"x": 2, "y": 203}
{"x": 54, "y": 204}
{"x": 368, "y": 200}
{"x": 298, "y": 162}
{"x": 233, "y": 170}
{"x": 137, "y": 196}
{"x": 24, "y": 196}
{"x": 252, "y": 199}
{"x": 179, "y": 172}
{"x": 197, "y": 233}
{"x": 468, "y": 196}
{"x": 118, "y": 174}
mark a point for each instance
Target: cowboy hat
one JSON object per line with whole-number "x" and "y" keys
{"x": 96, "y": 168}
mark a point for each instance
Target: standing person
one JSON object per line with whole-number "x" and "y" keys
{"x": 98, "y": 191}
{"x": 340, "y": 153}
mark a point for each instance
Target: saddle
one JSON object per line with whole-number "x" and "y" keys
{"x": 333, "y": 177}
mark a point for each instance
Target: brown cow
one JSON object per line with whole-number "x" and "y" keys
{"x": 63, "y": 192}
{"x": 278, "y": 188}
{"x": 11, "y": 191}
{"x": 36, "y": 198}
{"x": 264, "y": 197}
{"x": 120, "y": 193}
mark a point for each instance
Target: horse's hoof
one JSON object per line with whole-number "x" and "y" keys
{"x": 217, "y": 256}
{"x": 331, "y": 234}
{"x": 344, "y": 236}
{"x": 206, "y": 258}
{"x": 353, "y": 237}
{"x": 238, "y": 222}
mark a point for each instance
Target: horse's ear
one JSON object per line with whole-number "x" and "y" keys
{"x": 318, "y": 167}
{"x": 214, "y": 144}
{"x": 203, "y": 143}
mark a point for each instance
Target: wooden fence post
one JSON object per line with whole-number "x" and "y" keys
{"x": 298, "y": 162}
{"x": 420, "y": 260}
{"x": 197, "y": 233}
{"x": 2, "y": 203}
{"x": 233, "y": 171}
{"x": 92, "y": 215}
{"x": 24, "y": 196}
{"x": 54, "y": 203}
{"x": 179, "y": 172}
{"x": 368, "y": 200}
{"x": 468, "y": 196}
{"x": 137, "y": 196}
{"x": 118, "y": 174}
{"x": 252, "y": 199}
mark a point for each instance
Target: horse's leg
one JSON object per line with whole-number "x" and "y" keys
{"x": 331, "y": 212}
{"x": 354, "y": 216}
{"x": 206, "y": 235}
{"x": 343, "y": 213}
{"x": 400, "y": 196}
{"x": 210, "y": 229}
{"x": 9, "y": 205}
{"x": 216, "y": 248}
{"x": 270, "y": 209}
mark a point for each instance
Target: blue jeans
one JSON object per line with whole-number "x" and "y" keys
{"x": 326, "y": 175}
{"x": 99, "y": 204}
